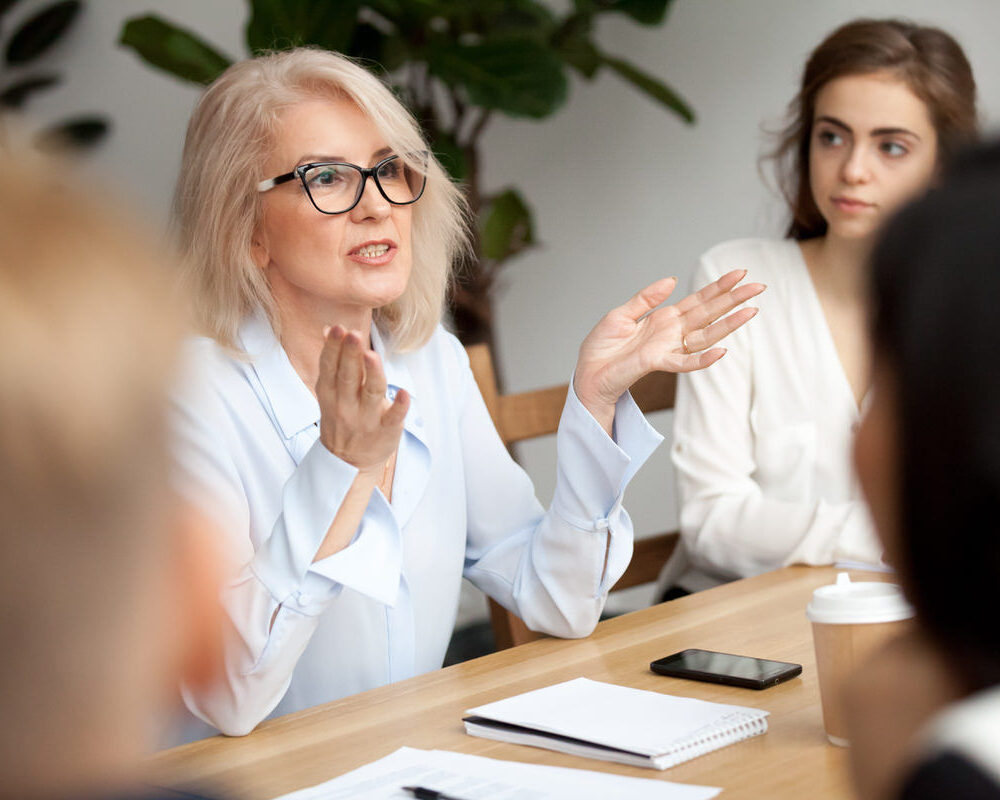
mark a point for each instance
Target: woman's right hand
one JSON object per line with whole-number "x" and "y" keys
{"x": 358, "y": 424}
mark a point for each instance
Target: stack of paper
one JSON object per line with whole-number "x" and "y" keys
{"x": 477, "y": 778}
{"x": 615, "y": 723}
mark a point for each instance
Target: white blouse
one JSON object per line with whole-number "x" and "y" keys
{"x": 762, "y": 440}
{"x": 968, "y": 729}
{"x": 383, "y": 608}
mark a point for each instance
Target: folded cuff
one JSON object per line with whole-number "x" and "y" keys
{"x": 310, "y": 501}
{"x": 371, "y": 564}
{"x": 594, "y": 469}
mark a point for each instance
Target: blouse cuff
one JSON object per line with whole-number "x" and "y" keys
{"x": 310, "y": 501}
{"x": 593, "y": 470}
{"x": 372, "y": 563}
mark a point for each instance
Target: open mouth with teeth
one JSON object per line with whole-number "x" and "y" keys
{"x": 372, "y": 250}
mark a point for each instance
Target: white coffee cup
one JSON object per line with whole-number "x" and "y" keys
{"x": 849, "y": 620}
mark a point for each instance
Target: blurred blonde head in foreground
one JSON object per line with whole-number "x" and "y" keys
{"x": 101, "y": 582}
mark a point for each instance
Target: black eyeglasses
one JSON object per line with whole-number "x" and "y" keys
{"x": 335, "y": 187}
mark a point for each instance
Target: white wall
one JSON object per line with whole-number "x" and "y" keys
{"x": 623, "y": 193}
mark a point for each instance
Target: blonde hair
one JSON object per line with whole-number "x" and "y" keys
{"x": 217, "y": 207}
{"x": 88, "y": 343}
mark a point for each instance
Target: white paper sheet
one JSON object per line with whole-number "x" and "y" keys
{"x": 478, "y": 778}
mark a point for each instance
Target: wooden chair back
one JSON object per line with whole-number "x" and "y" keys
{"x": 526, "y": 415}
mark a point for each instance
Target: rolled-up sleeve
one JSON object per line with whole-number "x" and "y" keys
{"x": 553, "y": 568}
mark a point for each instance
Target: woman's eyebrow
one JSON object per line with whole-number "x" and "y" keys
{"x": 320, "y": 157}
{"x": 834, "y": 121}
{"x": 895, "y": 131}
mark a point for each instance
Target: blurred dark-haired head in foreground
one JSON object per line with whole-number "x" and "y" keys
{"x": 927, "y": 711}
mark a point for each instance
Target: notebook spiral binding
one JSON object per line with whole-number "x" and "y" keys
{"x": 728, "y": 730}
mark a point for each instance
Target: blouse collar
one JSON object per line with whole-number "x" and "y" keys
{"x": 294, "y": 406}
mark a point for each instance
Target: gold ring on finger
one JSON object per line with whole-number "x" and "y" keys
{"x": 684, "y": 344}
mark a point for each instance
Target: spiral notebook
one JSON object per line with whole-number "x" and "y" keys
{"x": 615, "y": 723}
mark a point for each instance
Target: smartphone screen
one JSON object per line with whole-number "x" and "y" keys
{"x": 706, "y": 665}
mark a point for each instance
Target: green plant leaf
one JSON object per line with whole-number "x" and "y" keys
{"x": 647, "y": 12}
{"x": 16, "y": 95}
{"x": 78, "y": 132}
{"x": 652, "y": 87}
{"x": 387, "y": 8}
{"x": 482, "y": 16}
{"x": 281, "y": 24}
{"x": 583, "y": 57}
{"x": 384, "y": 52}
{"x": 406, "y": 16}
{"x": 573, "y": 43}
{"x": 508, "y": 227}
{"x": 451, "y": 156}
{"x": 39, "y": 32}
{"x": 5, "y": 6}
{"x": 518, "y": 76}
{"x": 172, "y": 49}
{"x": 511, "y": 17}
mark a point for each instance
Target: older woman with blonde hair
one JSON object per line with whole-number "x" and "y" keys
{"x": 334, "y": 427}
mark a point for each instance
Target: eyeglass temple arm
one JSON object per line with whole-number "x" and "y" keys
{"x": 270, "y": 183}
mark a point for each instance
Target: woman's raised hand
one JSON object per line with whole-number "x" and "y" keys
{"x": 358, "y": 424}
{"x": 638, "y": 338}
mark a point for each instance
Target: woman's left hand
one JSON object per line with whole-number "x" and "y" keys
{"x": 638, "y": 338}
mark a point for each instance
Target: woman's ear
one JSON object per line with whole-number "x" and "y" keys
{"x": 259, "y": 251}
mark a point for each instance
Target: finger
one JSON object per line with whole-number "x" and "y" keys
{"x": 373, "y": 390}
{"x": 649, "y": 298}
{"x": 350, "y": 370}
{"x": 396, "y": 413}
{"x": 705, "y": 337}
{"x": 697, "y": 361}
{"x": 714, "y": 289}
{"x": 703, "y": 315}
{"x": 329, "y": 357}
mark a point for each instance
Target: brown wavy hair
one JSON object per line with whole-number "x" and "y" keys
{"x": 928, "y": 60}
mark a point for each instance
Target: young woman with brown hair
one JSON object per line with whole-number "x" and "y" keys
{"x": 762, "y": 442}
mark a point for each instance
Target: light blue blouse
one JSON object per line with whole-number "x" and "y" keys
{"x": 383, "y": 608}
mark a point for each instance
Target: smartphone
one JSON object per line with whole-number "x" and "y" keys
{"x": 705, "y": 665}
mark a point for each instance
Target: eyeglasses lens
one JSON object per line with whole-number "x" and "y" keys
{"x": 400, "y": 182}
{"x": 334, "y": 187}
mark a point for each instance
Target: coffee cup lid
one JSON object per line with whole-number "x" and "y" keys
{"x": 846, "y": 602}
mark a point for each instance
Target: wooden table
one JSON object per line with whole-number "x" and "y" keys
{"x": 762, "y": 616}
